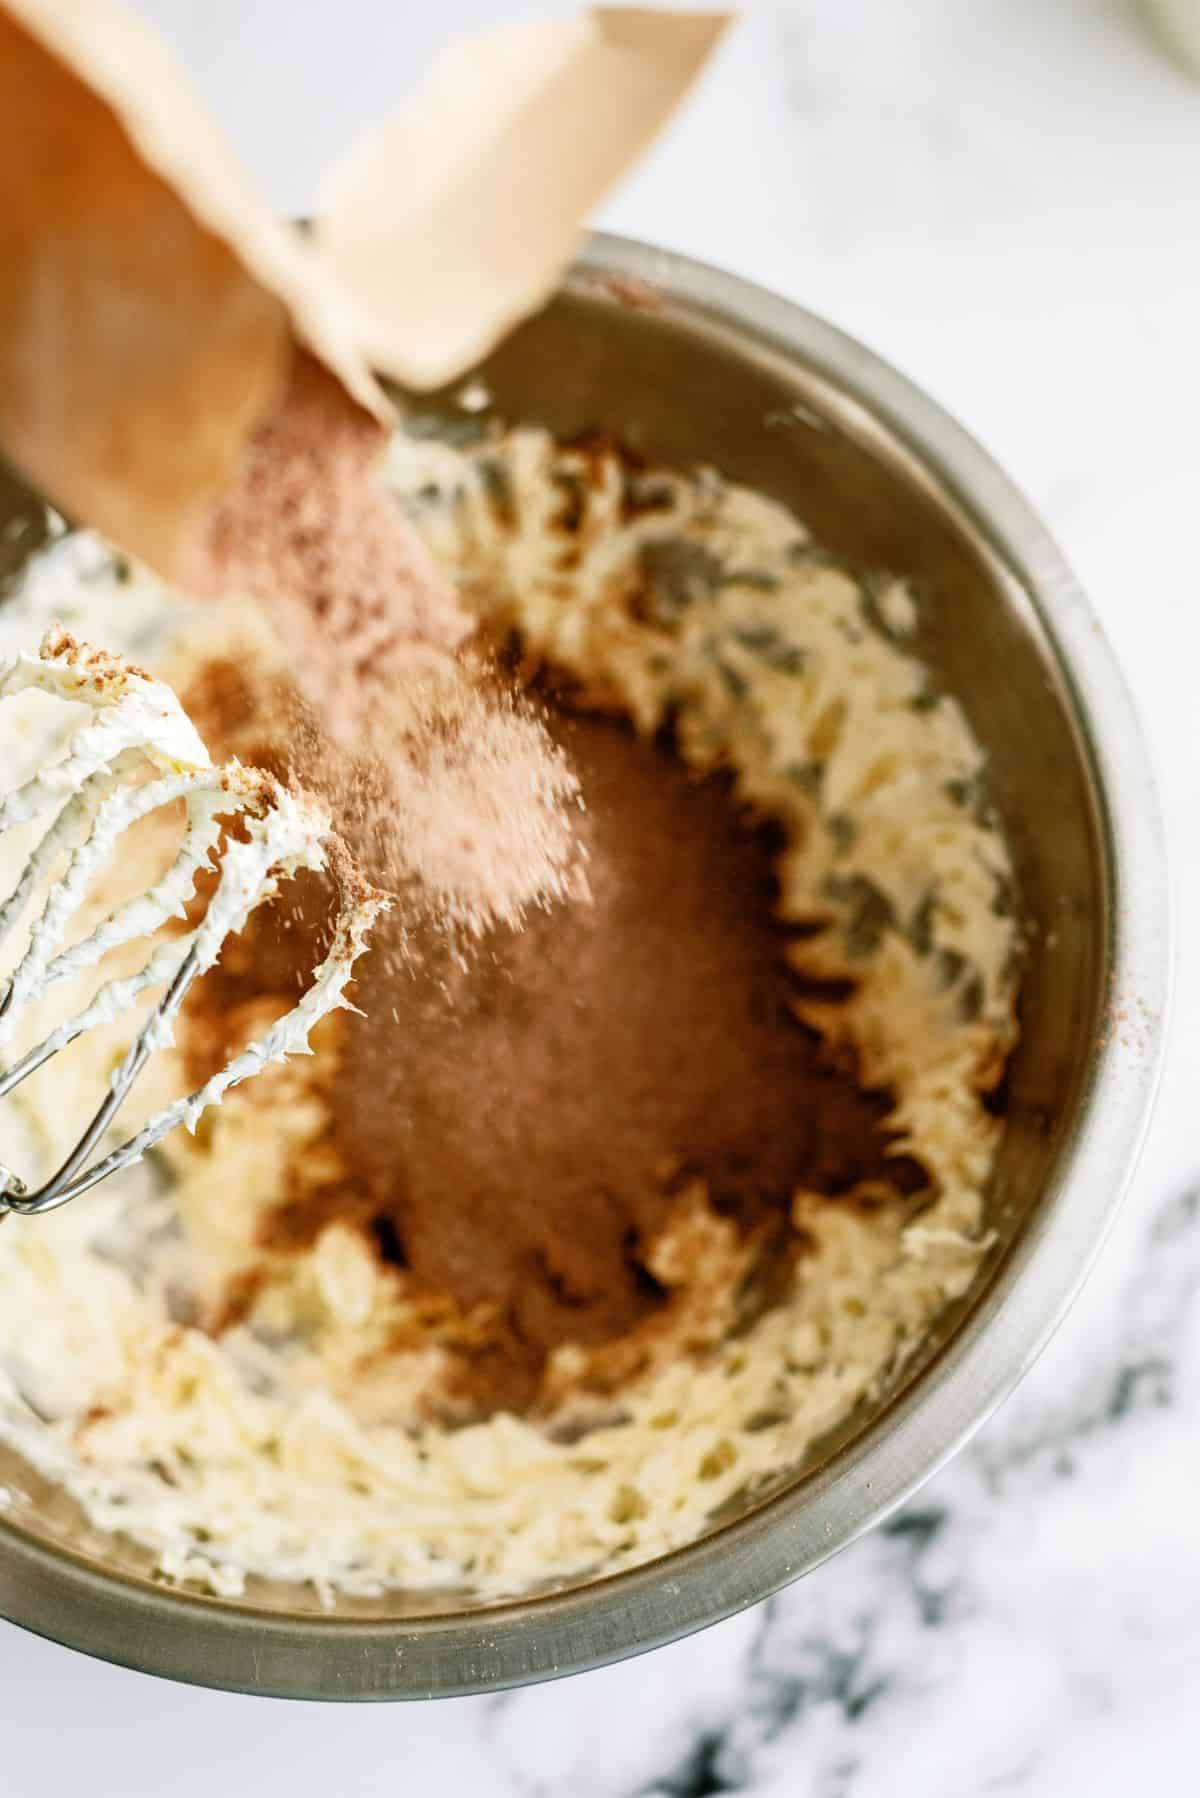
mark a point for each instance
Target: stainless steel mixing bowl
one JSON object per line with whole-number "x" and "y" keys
{"x": 688, "y": 365}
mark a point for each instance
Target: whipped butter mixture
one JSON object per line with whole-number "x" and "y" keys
{"x": 246, "y": 1403}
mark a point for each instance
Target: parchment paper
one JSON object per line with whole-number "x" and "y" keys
{"x": 458, "y": 219}
{"x": 150, "y": 303}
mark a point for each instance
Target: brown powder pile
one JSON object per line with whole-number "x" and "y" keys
{"x": 449, "y": 784}
{"x": 514, "y": 1131}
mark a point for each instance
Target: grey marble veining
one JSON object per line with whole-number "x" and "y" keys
{"x": 989, "y": 1634}
{"x": 1001, "y": 197}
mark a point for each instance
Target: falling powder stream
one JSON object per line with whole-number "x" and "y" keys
{"x": 447, "y": 784}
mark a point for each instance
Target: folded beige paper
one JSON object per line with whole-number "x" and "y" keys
{"x": 457, "y": 220}
{"x": 150, "y": 304}
{"x": 149, "y": 300}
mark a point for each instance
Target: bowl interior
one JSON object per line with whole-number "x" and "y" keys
{"x": 682, "y": 384}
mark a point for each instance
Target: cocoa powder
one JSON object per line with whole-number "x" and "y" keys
{"x": 516, "y": 1127}
{"x": 513, "y": 1128}
{"x": 455, "y": 795}
{"x": 308, "y": 530}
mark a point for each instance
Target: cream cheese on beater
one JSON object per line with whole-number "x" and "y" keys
{"x": 137, "y": 721}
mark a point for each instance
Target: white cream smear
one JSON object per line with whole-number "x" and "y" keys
{"x": 94, "y": 796}
{"x": 676, "y": 596}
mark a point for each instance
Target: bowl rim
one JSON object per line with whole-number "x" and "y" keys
{"x": 218, "y": 1643}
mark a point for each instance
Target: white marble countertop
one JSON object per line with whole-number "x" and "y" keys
{"x": 1002, "y": 198}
